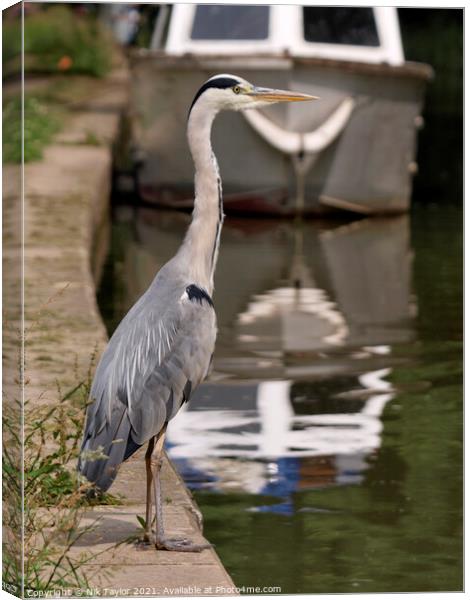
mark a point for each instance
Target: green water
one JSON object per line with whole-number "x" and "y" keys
{"x": 400, "y": 529}
{"x": 365, "y": 492}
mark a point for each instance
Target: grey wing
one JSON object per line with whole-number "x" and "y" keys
{"x": 149, "y": 368}
{"x": 171, "y": 380}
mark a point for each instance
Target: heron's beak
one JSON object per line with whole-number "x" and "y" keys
{"x": 270, "y": 95}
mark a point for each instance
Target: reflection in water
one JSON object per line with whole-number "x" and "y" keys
{"x": 297, "y": 303}
{"x": 303, "y": 316}
{"x": 270, "y": 427}
{"x": 316, "y": 319}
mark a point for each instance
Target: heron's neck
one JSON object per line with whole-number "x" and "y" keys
{"x": 201, "y": 244}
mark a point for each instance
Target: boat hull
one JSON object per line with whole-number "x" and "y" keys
{"x": 367, "y": 168}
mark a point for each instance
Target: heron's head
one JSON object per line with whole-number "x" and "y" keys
{"x": 230, "y": 92}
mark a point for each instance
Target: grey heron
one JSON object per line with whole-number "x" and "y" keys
{"x": 162, "y": 349}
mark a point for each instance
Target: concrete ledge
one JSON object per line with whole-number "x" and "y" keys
{"x": 66, "y": 204}
{"x": 153, "y": 573}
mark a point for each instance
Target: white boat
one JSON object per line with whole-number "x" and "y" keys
{"x": 354, "y": 149}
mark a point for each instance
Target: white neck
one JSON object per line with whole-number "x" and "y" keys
{"x": 201, "y": 244}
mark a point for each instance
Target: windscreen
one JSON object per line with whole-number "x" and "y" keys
{"x": 221, "y": 22}
{"x": 329, "y": 25}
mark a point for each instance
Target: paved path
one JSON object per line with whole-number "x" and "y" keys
{"x": 66, "y": 232}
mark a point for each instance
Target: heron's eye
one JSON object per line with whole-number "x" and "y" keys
{"x": 236, "y": 89}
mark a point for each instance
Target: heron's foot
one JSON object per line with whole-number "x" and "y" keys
{"x": 180, "y": 545}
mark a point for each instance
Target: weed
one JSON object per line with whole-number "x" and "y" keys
{"x": 54, "y": 498}
{"x": 91, "y": 139}
{"x": 58, "y": 40}
{"x": 40, "y": 124}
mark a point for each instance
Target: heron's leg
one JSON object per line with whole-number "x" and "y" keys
{"x": 148, "y": 509}
{"x": 156, "y": 468}
{"x": 161, "y": 541}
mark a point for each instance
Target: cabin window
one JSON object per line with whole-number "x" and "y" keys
{"x": 222, "y": 22}
{"x": 353, "y": 26}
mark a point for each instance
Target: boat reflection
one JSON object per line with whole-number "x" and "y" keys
{"x": 308, "y": 314}
{"x": 315, "y": 299}
{"x": 261, "y": 439}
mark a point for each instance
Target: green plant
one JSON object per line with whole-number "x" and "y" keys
{"x": 91, "y": 139}
{"x": 57, "y": 39}
{"x": 40, "y": 124}
{"x": 49, "y": 512}
{"x": 44, "y": 495}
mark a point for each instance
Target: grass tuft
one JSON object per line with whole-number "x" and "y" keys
{"x": 58, "y": 40}
{"x": 40, "y": 125}
{"x": 55, "y": 498}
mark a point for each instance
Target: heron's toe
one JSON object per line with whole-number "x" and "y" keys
{"x": 180, "y": 545}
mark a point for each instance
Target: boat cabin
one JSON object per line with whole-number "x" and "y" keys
{"x": 362, "y": 34}
{"x": 353, "y": 150}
